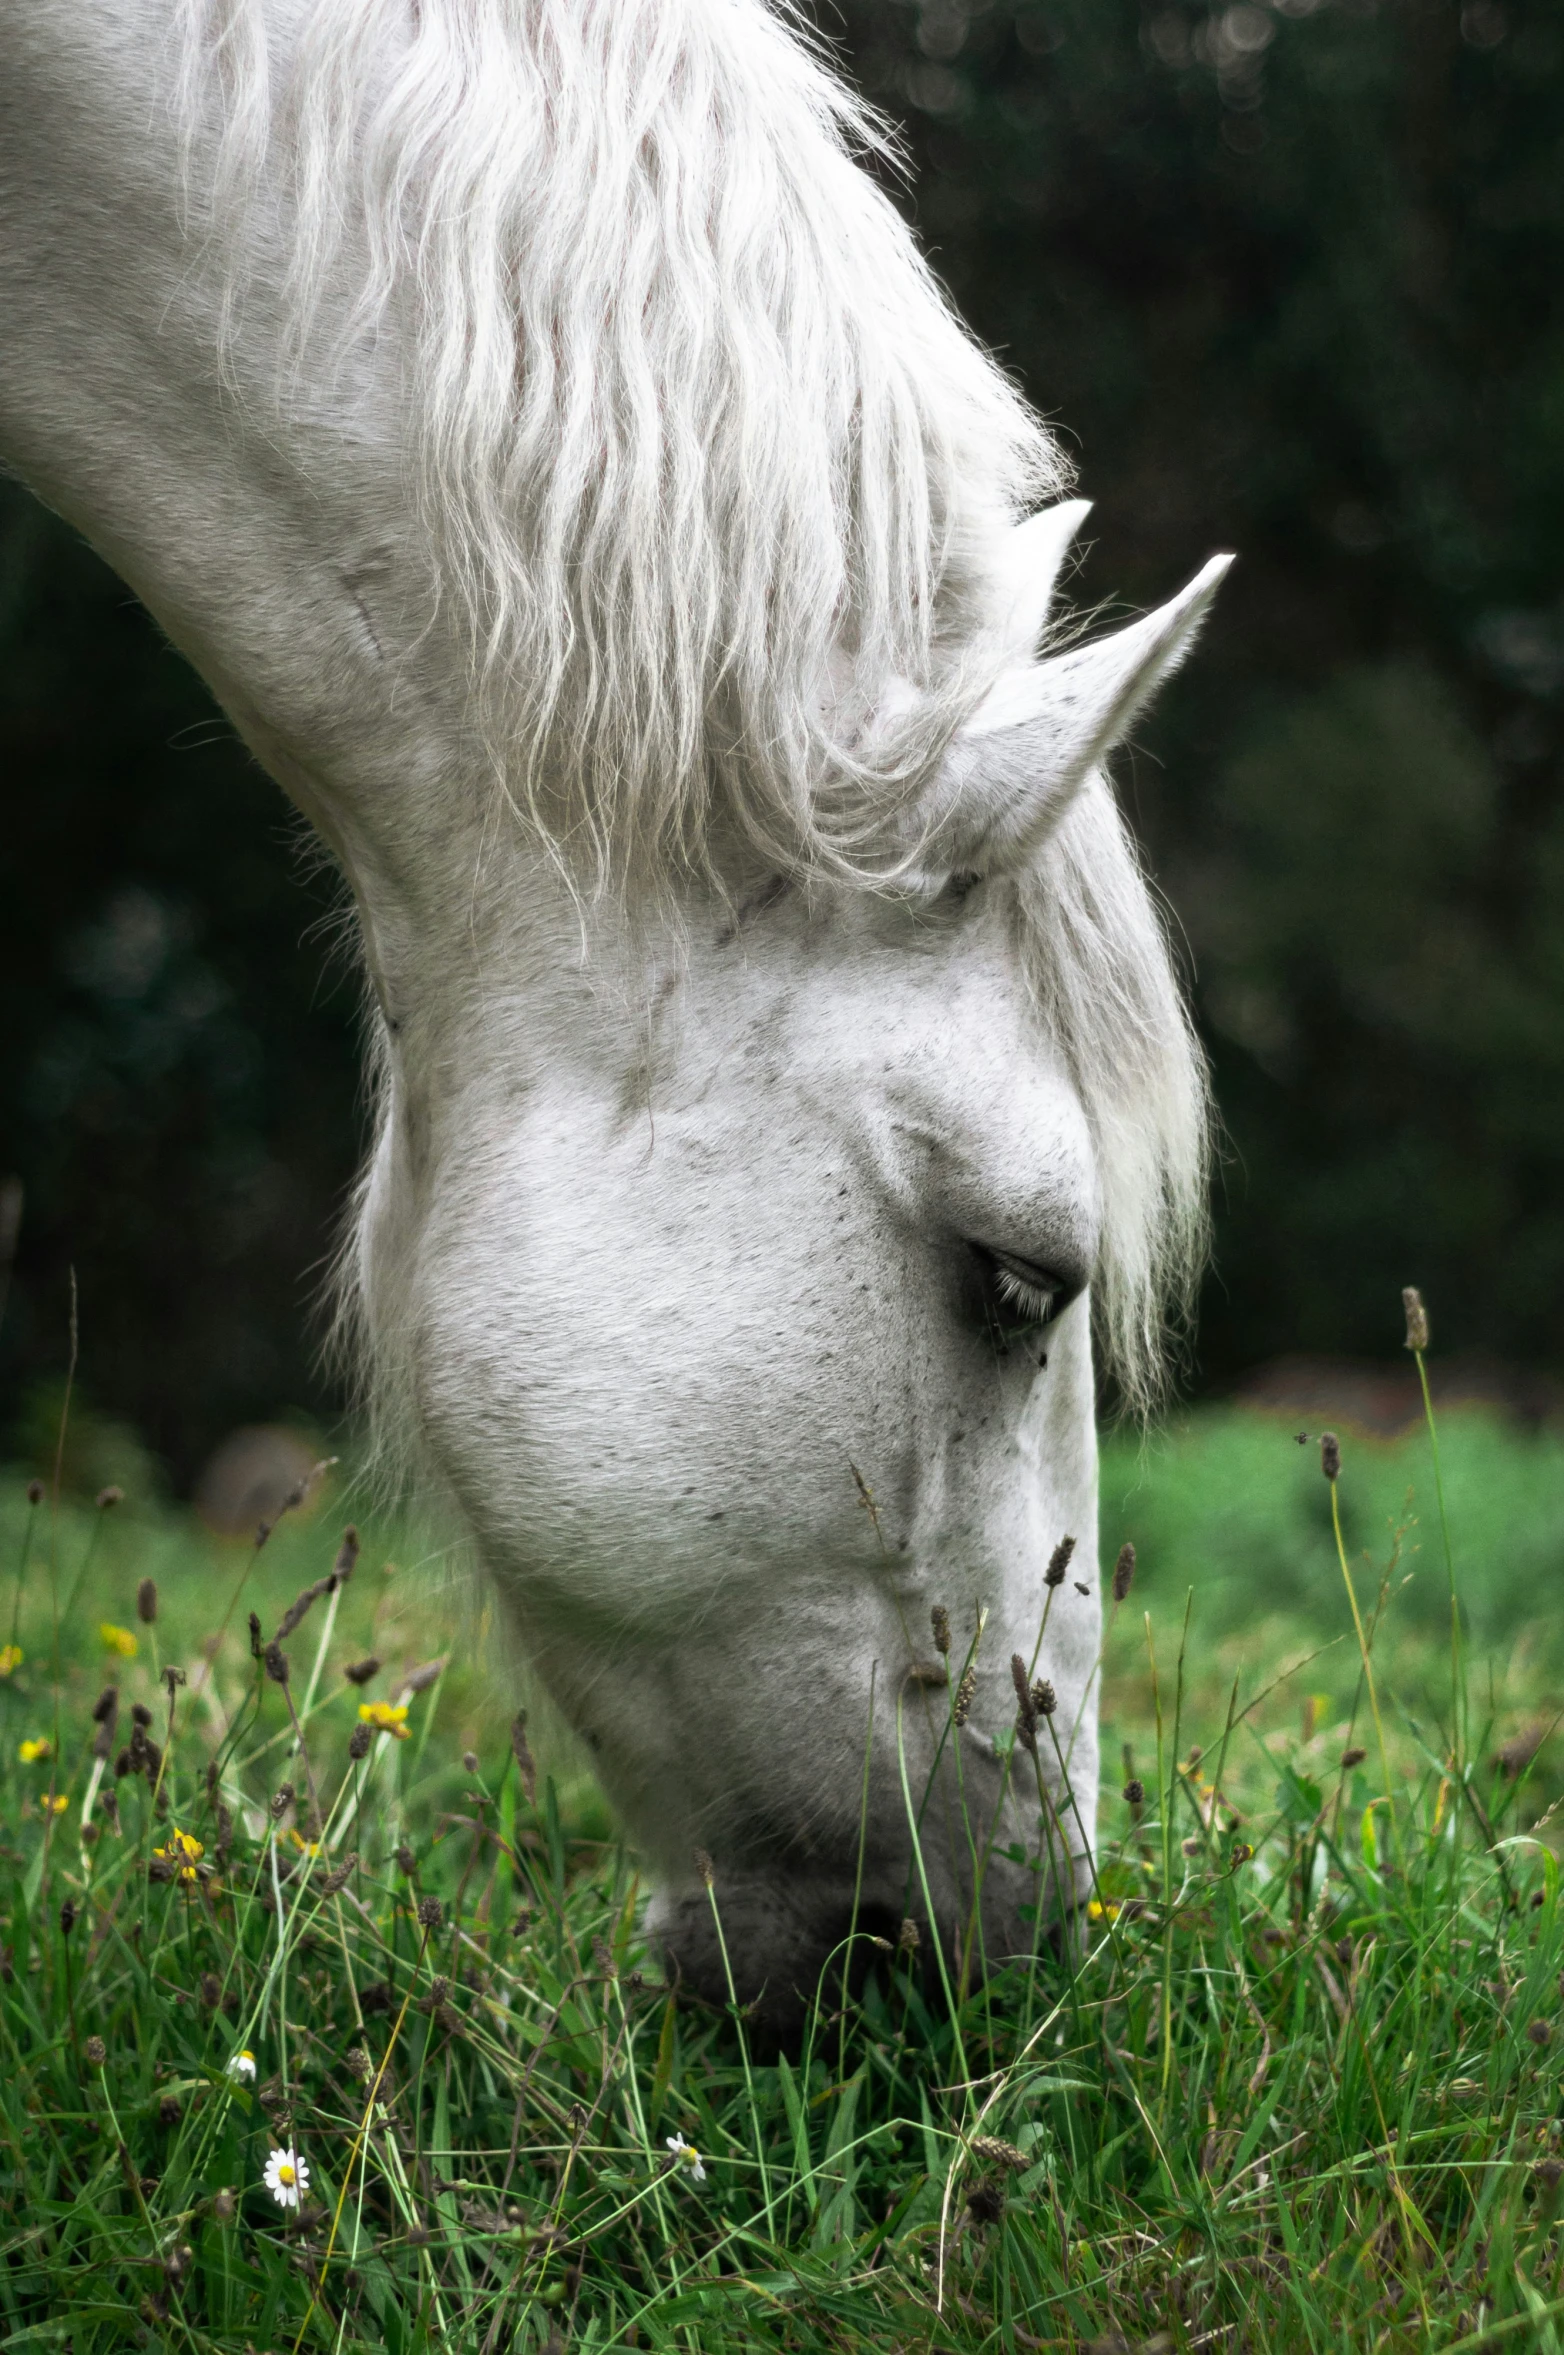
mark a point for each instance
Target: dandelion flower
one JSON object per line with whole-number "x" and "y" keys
{"x": 286, "y": 2177}
{"x": 10, "y": 1659}
{"x": 241, "y": 2067}
{"x": 685, "y": 2155}
{"x": 184, "y": 1852}
{"x": 31, "y": 1751}
{"x": 386, "y": 1717}
{"x": 117, "y": 1639}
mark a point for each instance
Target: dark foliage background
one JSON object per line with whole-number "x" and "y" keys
{"x": 1289, "y": 277}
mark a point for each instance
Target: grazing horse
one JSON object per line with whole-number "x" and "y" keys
{"x": 546, "y": 439}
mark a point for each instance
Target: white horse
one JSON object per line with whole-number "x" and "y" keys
{"x": 550, "y": 446}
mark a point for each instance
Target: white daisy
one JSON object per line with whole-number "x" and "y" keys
{"x": 286, "y": 2177}
{"x": 687, "y": 2156}
{"x": 241, "y": 2067}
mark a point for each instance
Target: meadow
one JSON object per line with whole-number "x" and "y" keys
{"x": 327, "y": 2022}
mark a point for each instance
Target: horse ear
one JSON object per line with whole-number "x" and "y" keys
{"x": 1015, "y": 768}
{"x": 1033, "y": 560}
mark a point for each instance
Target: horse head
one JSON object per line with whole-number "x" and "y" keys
{"x": 743, "y": 1303}
{"x": 552, "y": 449}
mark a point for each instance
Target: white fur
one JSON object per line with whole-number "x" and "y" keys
{"x": 555, "y": 454}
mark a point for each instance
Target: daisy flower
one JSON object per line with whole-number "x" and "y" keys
{"x": 31, "y": 1751}
{"x": 687, "y": 2156}
{"x": 117, "y": 1639}
{"x": 241, "y": 2067}
{"x": 183, "y": 1852}
{"x": 386, "y": 1717}
{"x": 286, "y": 2177}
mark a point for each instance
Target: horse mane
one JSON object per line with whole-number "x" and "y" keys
{"x": 693, "y": 434}
{"x": 689, "y": 416}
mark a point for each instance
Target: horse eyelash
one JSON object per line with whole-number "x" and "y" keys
{"x": 1029, "y": 1299}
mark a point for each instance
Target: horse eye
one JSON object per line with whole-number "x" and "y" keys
{"x": 1021, "y": 1297}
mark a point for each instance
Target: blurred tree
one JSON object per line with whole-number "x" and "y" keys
{"x": 178, "y": 1091}
{"x": 1290, "y": 277}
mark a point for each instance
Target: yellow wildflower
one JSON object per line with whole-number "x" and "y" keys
{"x": 305, "y": 1847}
{"x": 59, "y": 1802}
{"x": 1101, "y": 1913}
{"x": 118, "y": 1639}
{"x": 386, "y": 1717}
{"x": 10, "y": 1659}
{"x": 31, "y": 1751}
{"x": 184, "y": 1852}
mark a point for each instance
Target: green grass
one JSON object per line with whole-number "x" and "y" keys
{"x": 1228, "y": 1503}
{"x": 1300, "y": 2098}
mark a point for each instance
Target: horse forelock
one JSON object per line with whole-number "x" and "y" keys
{"x": 1092, "y": 942}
